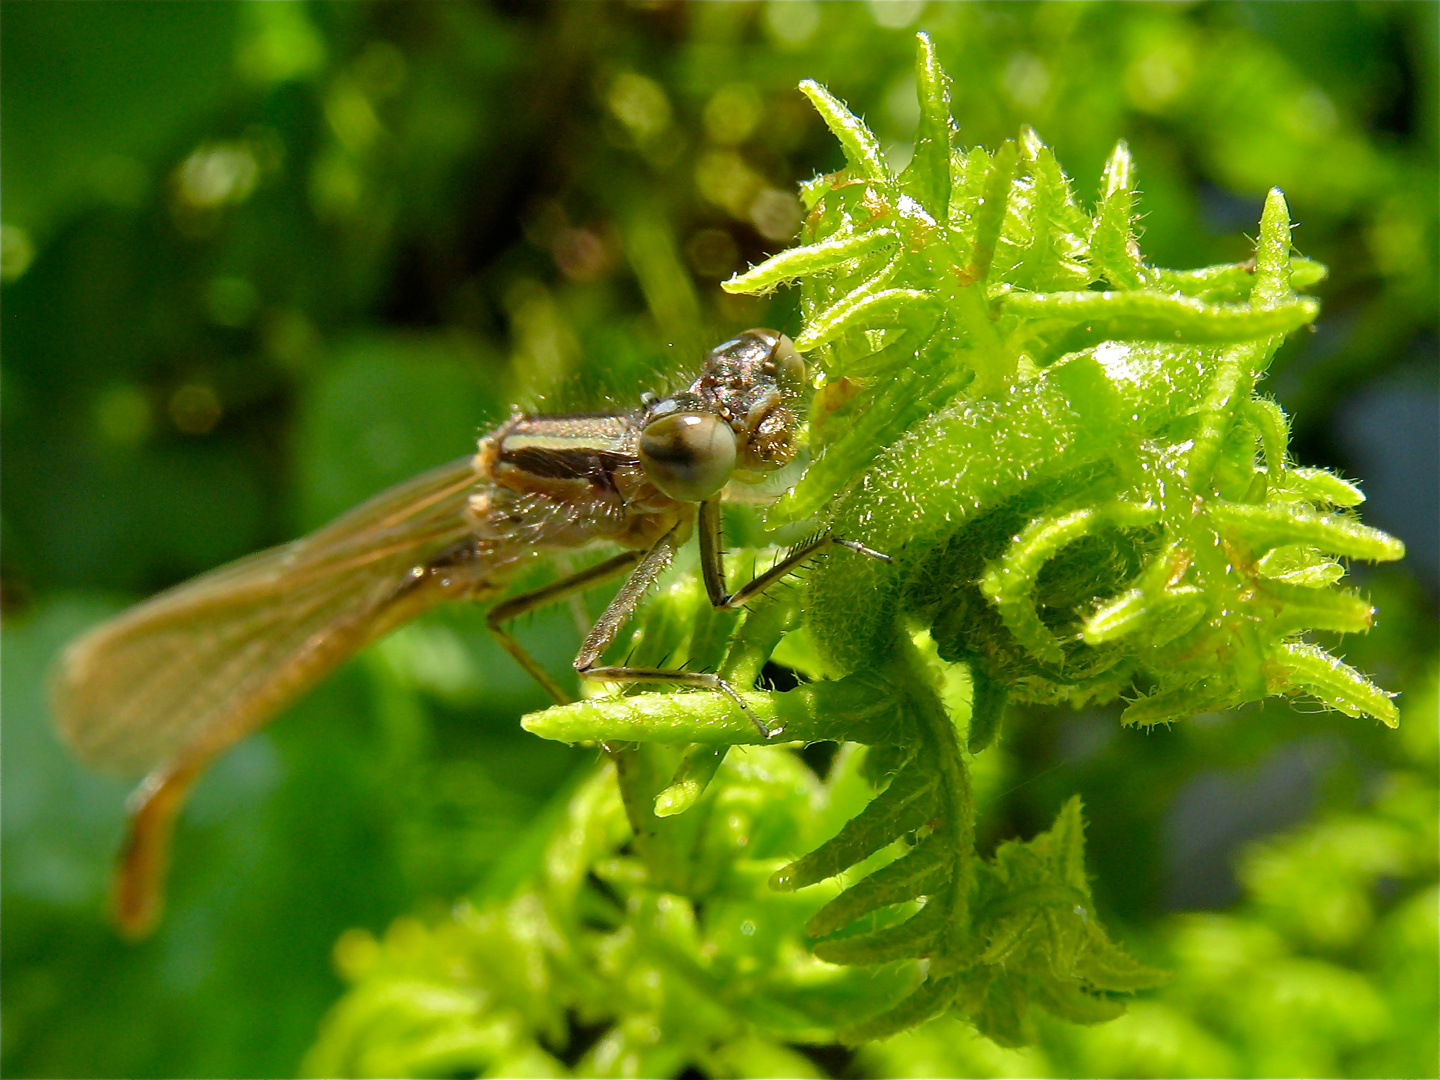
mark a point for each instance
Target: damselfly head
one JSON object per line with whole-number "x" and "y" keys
{"x": 752, "y": 385}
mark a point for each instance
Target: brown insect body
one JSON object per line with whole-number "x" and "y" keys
{"x": 170, "y": 684}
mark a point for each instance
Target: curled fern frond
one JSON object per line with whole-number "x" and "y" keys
{"x": 1064, "y": 400}
{"x": 1084, "y": 499}
{"x": 1103, "y": 508}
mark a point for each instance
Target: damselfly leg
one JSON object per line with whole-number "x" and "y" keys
{"x": 647, "y": 568}
{"x": 566, "y": 587}
{"x": 712, "y": 559}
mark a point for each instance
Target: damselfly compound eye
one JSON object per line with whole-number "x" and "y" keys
{"x": 790, "y": 372}
{"x": 688, "y": 456}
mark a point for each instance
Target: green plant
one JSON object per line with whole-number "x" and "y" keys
{"x": 1084, "y": 499}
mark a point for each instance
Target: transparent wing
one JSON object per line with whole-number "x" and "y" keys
{"x": 204, "y": 664}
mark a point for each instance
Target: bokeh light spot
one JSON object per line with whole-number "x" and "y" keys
{"x": 581, "y": 254}
{"x": 1157, "y": 77}
{"x": 282, "y": 44}
{"x": 351, "y": 116}
{"x": 639, "y": 104}
{"x": 17, "y": 252}
{"x": 776, "y": 214}
{"x": 1312, "y": 114}
{"x": 791, "y": 22}
{"x": 381, "y": 69}
{"x": 335, "y": 186}
{"x": 733, "y": 113}
{"x": 895, "y": 14}
{"x": 231, "y": 301}
{"x": 712, "y": 253}
{"x": 1026, "y": 80}
{"x": 195, "y": 409}
{"x": 122, "y": 416}
{"x": 291, "y": 338}
{"x": 723, "y": 177}
{"x": 216, "y": 174}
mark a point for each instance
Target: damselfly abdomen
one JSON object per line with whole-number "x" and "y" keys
{"x": 170, "y": 684}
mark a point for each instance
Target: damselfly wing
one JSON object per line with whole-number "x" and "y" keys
{"x": 202, "y": 665}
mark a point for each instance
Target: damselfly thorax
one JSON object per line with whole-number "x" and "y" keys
{"x": 170, "y": 684}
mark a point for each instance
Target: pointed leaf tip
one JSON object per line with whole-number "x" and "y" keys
{"x": 783, "y": 880}
{"x": 1276, "y": 208}
{"x": 677, "y": 798}
{"x": 928, "y": 175}
{"x": 1119, "y": 173}
{"x": 1272, "y": 252}
{"x": 862, "y": 149}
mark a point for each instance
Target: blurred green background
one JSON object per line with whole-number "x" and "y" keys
{"x": 262, "y": 259}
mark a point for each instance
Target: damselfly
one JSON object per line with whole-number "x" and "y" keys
{"x": 172, "y": 683}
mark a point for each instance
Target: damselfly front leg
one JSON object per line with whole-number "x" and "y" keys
{"x": 620, "y": 610}
{"x": 712, "y": 570}
{"x": 712, "y": 559}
